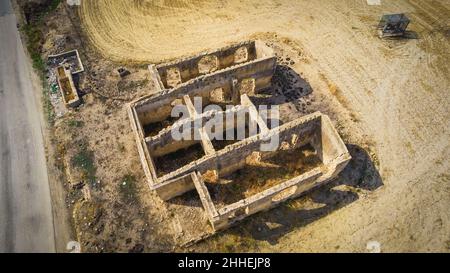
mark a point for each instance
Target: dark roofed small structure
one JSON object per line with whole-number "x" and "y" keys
{"x": 392, "y": 25}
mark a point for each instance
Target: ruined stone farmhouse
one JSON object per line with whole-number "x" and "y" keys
{"x": 233, "y": 178}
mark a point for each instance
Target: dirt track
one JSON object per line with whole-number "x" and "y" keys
{"x": 398, "y": 89}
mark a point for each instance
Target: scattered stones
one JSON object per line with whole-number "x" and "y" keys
{"x": 123, "y": 72}
{"x": 138, "y": 248}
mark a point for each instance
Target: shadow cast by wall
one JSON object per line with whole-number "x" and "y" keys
{"x": 188, "y": 199}
{"x": 409, "y": 34}
{"x": 360, "y": 174}
{"x": 76, "y": 81}
{"x": 287, "y": 86}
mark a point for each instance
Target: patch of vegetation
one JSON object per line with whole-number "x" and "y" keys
{"x": 53, "y": 5}
{"x": 86, "y": 215}
{"x": 121, "y": 147}
{"x": 127, "y": 188}
{"x": 229, "y": 248}
{"x": 242, "y": 241}
{"x": 84, "y": 160}
{"x": 247, "y": 243}
{"x": 34, "y": 38}
{"x": 75, "y": 123}
{"x": 61, "y": 152}
{"x": 410, "y": 148}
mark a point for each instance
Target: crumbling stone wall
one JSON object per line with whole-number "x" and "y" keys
{"x": 208, "y": 62}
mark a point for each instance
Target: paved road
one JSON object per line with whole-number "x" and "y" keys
{"x": 26, "y": 223}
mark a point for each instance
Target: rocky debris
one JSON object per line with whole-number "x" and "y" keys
{"x": 123, "y": 72}
{"x": 54, "y": 93}
{"x": 70, "y": 62}
{"x": 59, "y": 43}
{"x": 138, "y": 248}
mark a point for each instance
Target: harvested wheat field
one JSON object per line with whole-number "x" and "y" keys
{"x": 395, "y": 90}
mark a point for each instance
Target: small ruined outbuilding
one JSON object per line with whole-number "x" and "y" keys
{"x": 393, "y": 25}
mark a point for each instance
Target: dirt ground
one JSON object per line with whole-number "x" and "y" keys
{"x": 389, "y": 100}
